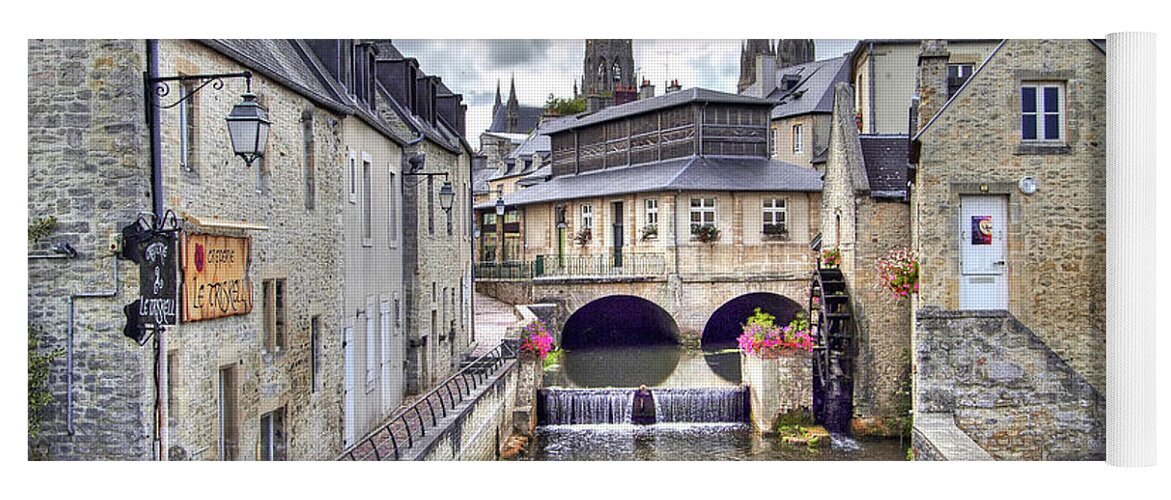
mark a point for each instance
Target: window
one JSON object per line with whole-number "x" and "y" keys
{"x": 703, "y": 212}
{"x": 774, "y": 217}
{"x": 957, "y": 75}
{"x": 397, "y": 317}
{"x": 315, "y": 353}
{"x": 187, "y": 127}
{"x": 587, "y": 217}
{"x": 652, "y": 213}
{"x": 229, "y": 434}
{"x": 489, "y": 237}
{"x": 512, "y": 248}
{"x": 391, "y": 214}
{"x": 773, "y": 142}
{"x": 309, "y": 164}
{"x": 367, "y": 204}
{"x": 1042, "y": 112}
{"x": 371, "y": 349}
{"x": 798, "y": 138}
{"x": 272, "y": 436}
{"x": 274, "y": 314}
{"x": 353, "y": 178}
{"x": 173, "y": 383}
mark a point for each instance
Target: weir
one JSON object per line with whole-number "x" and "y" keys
{"x": 557, "y": 406}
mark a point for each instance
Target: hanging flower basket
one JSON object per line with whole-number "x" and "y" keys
{"x": 583, "y": 237}
{"x": 650, "y": 232}
{"x": 899, "y": 272}
{"x": 831, "y": 258}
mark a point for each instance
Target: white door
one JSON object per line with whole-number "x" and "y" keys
{"x": 350, "y": 417}
{"x": 983, "y": 257}
{"x": 386, "y": 359}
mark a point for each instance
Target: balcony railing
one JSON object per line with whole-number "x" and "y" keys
{"x": 602, "y": 264}
{"x": 511, "y": 270}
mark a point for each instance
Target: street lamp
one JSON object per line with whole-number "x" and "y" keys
{"x": 446, "y": 196}
{"x": 248, "y": 128}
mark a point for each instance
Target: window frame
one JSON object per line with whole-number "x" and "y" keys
{"x": 703, "y": 210}
{"x": 309, "y": 160}
{"x": 651, "y": 212}
{"x": 274, "y": 292}
{"x": 770, "y": 210}
{"x": 1040, "y": 113}
{"x": 272, "y": 417}
{"x": 187, "y": 126}
{"x": 587, "y": 216}
{"x": 315, "y": 353}
{"x": 799, "y": 138}
{"x": 392, "y": 210}
{"x": 353, "y": 198}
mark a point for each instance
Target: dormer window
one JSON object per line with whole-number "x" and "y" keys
{"x": 788, "y": 82}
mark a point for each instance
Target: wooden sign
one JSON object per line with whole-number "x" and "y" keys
{"x": 215, "y": 276}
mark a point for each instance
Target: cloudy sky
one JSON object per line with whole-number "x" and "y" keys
{"x": 543, "y": 67}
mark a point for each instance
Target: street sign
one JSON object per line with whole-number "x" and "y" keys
{"x": 215, "y": 276}
{"x": 158, "y": 282}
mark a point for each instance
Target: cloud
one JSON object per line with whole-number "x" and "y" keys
{"x": 543, "y": 67}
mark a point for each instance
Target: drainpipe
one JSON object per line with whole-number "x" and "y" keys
{"x": 675, "y": 228}
{"x": 69, "y": 345}
{"x": 153, "y": 123}
{"x": 870, "y": 63}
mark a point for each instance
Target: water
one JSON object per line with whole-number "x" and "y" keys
{"x": 664, "y": 365}
{"x": 691, "y": 441}
{"x": 613, "y": 406}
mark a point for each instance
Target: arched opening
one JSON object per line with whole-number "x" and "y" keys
{"x": 620, "y": 341}
{"x": 619, "y": 320}
{"x": 726, "y": 324}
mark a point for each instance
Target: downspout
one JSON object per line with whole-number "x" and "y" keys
{"x": 69, "y": 345}
{"x": 870, "y": 64}
{"x": 154, "y": 127}
{"x": 675, "y": 228}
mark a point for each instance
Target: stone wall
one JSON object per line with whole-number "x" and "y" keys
{"x": 777, "y": 386}
{"x": 1007, "y": 390}
{"x": 482, "y": 426}
{"x": 1056, "y": 244}
{"x": 88, "y": 166}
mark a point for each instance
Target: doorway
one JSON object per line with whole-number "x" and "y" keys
{"x": 983, "y": 231}
{"x": 616, "y": 210}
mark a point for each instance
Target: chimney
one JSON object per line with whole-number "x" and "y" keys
{"x": 646, "y": 90}
{"x": 595, "y": 102}
{"x": 674, "y": 86}
{"x": 932, "y": 92}
{"x": 766, "y": 74}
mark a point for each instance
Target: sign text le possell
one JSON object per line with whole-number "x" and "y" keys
{"x": 158, "y": 282}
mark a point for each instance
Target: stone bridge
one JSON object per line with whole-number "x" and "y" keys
{"x": 687, "y": 308}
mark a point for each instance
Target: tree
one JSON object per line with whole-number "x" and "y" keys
{"x": 38, "y": 360}
{"x": 563, "y": 107}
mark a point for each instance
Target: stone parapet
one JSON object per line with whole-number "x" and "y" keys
{"x": 777, "y": 386}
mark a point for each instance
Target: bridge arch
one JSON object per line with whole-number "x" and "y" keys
{"x": 619, "y": 320}
{"x": 725, "y": 324}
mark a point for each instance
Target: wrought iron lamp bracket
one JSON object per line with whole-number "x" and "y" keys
{"x": 162, "y": 88}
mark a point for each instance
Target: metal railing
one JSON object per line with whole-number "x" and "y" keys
{"x": 511, "y": 270}
{"x": 404, "y": 430}
{"x": 601, "y": 264}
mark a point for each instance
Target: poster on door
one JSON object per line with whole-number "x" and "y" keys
{"x": 981, "y": 229}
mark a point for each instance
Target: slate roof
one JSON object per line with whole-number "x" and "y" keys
{"x": 537, "y": 176}
{"x": 285, "y": 62}
{"x": 640, "y": 106}
{"x": 885, "y": 157}
{"x": 814, "y": 93}
{"x": 527, "y": 120}
{"x": 693, "y": 173}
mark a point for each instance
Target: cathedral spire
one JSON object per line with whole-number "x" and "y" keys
{"x": 496, "y": 106}
{"x": 512, "y": 91}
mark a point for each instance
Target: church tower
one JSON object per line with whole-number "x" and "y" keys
{"x": 496, "y": 106}
{"x": 793, "y": 52}
{"x": 608, "y": 64}
{"x": 748, "y": 52}
{"x": 513, "y": 107}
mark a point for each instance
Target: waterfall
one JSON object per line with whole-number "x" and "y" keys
{"x": 705, "y": 404}
{"x": 613, "y": 406}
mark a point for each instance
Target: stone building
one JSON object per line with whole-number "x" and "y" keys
{"x": 783, "y": 54}
{"x": 437, "y": 243}
{"x": 883, "y": 75}
{"x": 608, "y": 67}
{"x": 803, "y": 95}
{"x": 511, "y": 117}
{"x": 1008, "y": 214}
{"x": 865, "y": 215}
{"x": 632, "y": 192}
{"x": 306, "y": 352}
